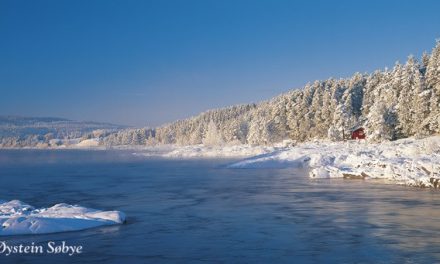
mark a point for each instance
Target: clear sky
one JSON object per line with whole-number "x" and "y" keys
{"x": 148, "y": 62}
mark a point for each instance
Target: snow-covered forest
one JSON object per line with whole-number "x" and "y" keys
{"x": 389, "y": 104}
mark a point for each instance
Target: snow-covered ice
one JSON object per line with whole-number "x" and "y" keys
{"x": 413, "y": 162}
{"x": 18, "y": 218}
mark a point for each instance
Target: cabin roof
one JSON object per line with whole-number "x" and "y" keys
{"x": 357, "y": 129}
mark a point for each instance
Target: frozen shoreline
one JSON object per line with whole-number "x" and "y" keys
{"x": 18, "y": 218}
{"x": 412, "y": 162}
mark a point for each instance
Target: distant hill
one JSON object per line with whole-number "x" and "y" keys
{"x": 19, "y": 131}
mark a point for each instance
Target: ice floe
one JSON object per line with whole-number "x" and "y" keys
{"x": 18, "y": 218}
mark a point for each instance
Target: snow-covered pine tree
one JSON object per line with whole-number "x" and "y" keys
{"x": 433, "y": 84}
{"x": 409, "y": 83}
{"x": 381, "y": 123}
{"x": 212, "y": 136}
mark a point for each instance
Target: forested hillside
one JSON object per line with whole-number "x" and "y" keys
{"x": 390, "y": 104}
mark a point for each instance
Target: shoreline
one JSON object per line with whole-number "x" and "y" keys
{"x": 409, "y": 161}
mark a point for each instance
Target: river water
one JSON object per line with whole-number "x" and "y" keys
{"x": 191, "y": 211}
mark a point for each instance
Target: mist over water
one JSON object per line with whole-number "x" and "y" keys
{"x": 200, "y": 211}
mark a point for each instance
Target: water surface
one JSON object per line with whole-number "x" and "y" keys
{"x": 191, "y": 211}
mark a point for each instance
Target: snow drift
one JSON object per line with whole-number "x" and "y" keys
{"x": 201, "y": 151}
{"x": 18, "y": 218}
{"x": 413, "y": 162}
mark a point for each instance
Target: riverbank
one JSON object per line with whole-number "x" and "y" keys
{"x": 412, "y": 162}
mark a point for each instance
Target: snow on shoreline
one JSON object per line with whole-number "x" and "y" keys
{"x": 18, "y": 218}
{"x": 200, "y": 151}
{"x": 412, "y": 162}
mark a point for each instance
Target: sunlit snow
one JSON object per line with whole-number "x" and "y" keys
{"x": 414, "y": 162}
{"x": 18, "y": 218}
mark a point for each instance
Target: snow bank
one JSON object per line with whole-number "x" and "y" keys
{"x": 201, "y": 151}
{"x": 18, "y": 218}
{"x": 413, "y": 162}
{"x": 88, "y": 143}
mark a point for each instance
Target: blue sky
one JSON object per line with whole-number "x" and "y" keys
{"x": 149, "y": 62}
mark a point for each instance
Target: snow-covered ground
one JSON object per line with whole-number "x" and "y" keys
{"x": 200, "y": 151}
{"x": 413, "y": 162}
{"x": 18, "y": 218}
{"x": 88, "y": 143}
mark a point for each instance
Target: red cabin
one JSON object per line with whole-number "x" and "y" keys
{"x": 358, "y": 133}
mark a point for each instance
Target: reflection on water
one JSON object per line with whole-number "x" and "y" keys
{"x": 200, "y": 211}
